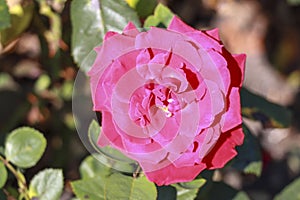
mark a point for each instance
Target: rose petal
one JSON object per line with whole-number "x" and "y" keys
{"x": 131, "y": 30}
{"x": 178, "y": 25}
{"x": 172, "y": 174}
{"x": 224, "y": 150}
{"x": 207, "y": 140}
{"x": 232, "y": 118}
{"x": 108, "y": 130}
{"x": 108, "y": 35}
{"x": 111, "y": 49}
{"x": 236, "y": 64}
{"x": 157, "y": 38}
{"x": 214, "y": 33}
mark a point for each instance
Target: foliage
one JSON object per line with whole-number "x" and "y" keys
{"x": 99, "y": 17}
{"x": 291, "y": 191}
{"x": 24, "y": 148}
{"x": 162, "y": 17}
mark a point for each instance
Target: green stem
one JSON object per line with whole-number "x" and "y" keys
{"x": 20, "y": 178}
{"x": 137, "y": 171}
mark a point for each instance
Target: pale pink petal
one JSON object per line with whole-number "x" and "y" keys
{"x": 232, "y": 118}
{"x": 157, "y": 38}
{"x": 150, "y": 160}
{"x": 178, "y": 25}
{"x": 204, "y": 41}
{"x": 111, "y": 49}
{"x": 144, "y": 57}
{"x": 108, "y": 130}
{"x": 131, "y": 30}
{"x": 221, "y": 64}
{"x": 207, "y": 140}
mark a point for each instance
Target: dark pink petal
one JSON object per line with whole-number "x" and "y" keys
{"x": 224, "y": 150}
{"x": 236, "y": 66}
{"x": 109, "y": 34}
{"x": 172, "y": 174}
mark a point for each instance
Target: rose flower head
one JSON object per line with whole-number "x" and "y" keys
{"x": 169, "y": 99}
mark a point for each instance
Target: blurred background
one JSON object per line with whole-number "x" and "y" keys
{"x": 37, "y": 74}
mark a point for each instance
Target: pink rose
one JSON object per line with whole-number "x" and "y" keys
{"x": 169, "y": 99}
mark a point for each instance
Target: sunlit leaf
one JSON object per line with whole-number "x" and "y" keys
{"x": 161, "y": 18}
{"x": 3, "y": 174}
{"x": 189, "y": 190}
{"x": 91, "y": 167}
{"x": 24, "y": 147}
{"x": 4, "y": 15}
{"x": 42, "y": 83}
{"x": 119, "y": 186}
{"x": 108, "y": 155}
{"x": 116, "y": 186}
{"x": 47, "y": 185}
{"x": 91, "y": 19}
{"x": 249, "y": 158}
{"x": 290, "y": 192}
{"x": 144, "y": 8}
{"x": 90, "y": 188}
{"x": 19, "y": 23}
{"x": 258, "y": 108}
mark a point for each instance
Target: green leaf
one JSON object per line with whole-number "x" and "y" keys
{"x": 91, "y": 188}
{"x": 290, "y": 192}
{"x": 249, "y": 158}
{"x": 94, "y": 133}
{"x": 144, "y": 8}
{"x": 189, "y": 190}
{"x": 161, "y": 18}
{"x": 19, "y": 23}
{"x": 91, "y": 167}
{"x": 3, "y": 174}
{"x": 116, "y": 186}
{"x": 47, "y": 185}
{"x": 91, "y": 19}
{"x": 258, "y": 108}
{"x": 108, "y": 155}
{"x": 119, "y": 186}
{"x": 293, "y": 2}
{"x": 42, "y": 83}
{"x": 24, "y": 147}
{"x": 4, "y": 15}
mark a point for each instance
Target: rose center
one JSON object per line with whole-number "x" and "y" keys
{"x": 150, "y": 98}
